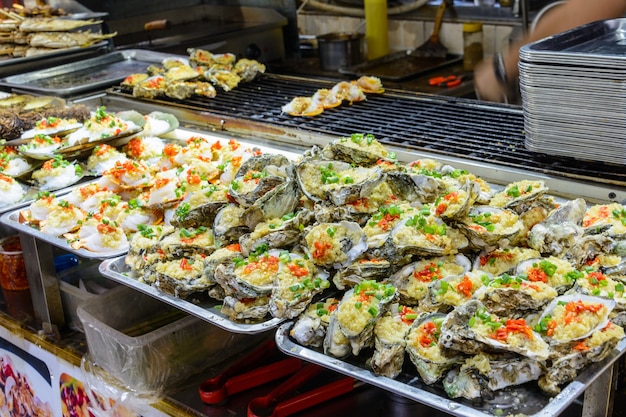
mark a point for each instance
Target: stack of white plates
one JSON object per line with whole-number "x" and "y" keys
{"x": 573, "y": 88}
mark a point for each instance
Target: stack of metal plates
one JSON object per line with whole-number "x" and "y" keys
{"x": 573, "y": 88}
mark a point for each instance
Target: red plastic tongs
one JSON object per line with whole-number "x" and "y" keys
{"x": 231, "y": 381}
{"x": 273, "y": 405}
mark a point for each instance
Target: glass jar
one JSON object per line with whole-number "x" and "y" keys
{"x": 472, "y": 44}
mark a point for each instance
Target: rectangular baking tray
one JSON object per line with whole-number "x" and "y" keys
{"x": 521, "y": 400}
{"x": 205, "y": 308}
{"x": 599, "y": 43}
{"x": 400, "y": 66}
{"x": 12, "y": 219}
{"x": 86, "y": 75}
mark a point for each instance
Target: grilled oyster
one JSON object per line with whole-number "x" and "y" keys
{"x": 422, "y": 234}
{"x": 380, "y": 224}
{"x": 185, "y": 242}
{"x": 483, "y": 374}
{"x": 257, "y": 176}
{"x": 503, "y": 260}
{"x": 229, "y": 223}
{"x": 249, "y": 277}
{"x": 279, "y": 232}
{"x": 336, "y": 181}
{"x": 413, "y": 280}
{"x": 363, "y": 269}
{"x": 248, "y": 69}
{"x": 456, "y": 201}
{"x": 220, "y": 256}
{"x": 181, "y": 277}
{"x": 246, "y": 309}
{"x": 359, "y": 310}
{"x": 389, "y": 340}
{"x": 275, "y": 203}
{"x": 296, "y": 282}
{"x": 520, "y": 192}
{"x": 358, "y": 149}
{"x": 560, "y": 229}
{"x": 335, "y": 342}
{"x": 514, "y": 296}
{"x": 556, "y": 272}
{"x": 200, "y": 207}
{"x": 452, "y": 290}
{"x": 151, "y": 88}
{"x": 588, "y": 248}
{"x": 226, "y": 80}
{"x": 596, "y": 283}
{"x": 470, "y": 329}
{"x": 487, "y": 226}
{"x": 335, "y": 244}
{"x": 310, "y": 328}
{"x": 424, "y": 351}
{"x": 574, "y": 356}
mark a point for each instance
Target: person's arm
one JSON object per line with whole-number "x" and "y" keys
{"x": 571, "y": 14}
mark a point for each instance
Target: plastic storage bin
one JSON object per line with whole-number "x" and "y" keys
{"x": 160, "y": 359}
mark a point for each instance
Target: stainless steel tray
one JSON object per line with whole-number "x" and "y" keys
{"x": 86, "y": 75}
{"x": 207, "y": 309}
{"x": 11, "y": 219}
{"x": 596, "y": 44}
{"x": 523, "y": 400}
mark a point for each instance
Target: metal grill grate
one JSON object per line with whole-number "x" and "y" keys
{"x": 443, "y": 125}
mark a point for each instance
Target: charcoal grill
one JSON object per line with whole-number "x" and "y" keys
{"x": 445, "y": 127}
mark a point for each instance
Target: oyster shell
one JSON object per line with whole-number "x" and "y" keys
{"x": 249, "y": 277}
{"x": 359, "y": 149}
{"x": 556, "y": 272}
{"x": 229, "y": 223}
{"x": 413, "y": 280}
{"x": 143, "y": 249}
{"x": 452, "y": 290}
{"x": 574, "y": 316}
{"x": 185, "y": 242}
{"x": 413, "y": 186}
{"x": 380, "y": 224}
{"x": 503, "y": 260}
{"x": 335, "y": 245}
{"x": 200, "y": 207}
{"x": 389, "y": 340}
{"x": 470, "y": 329}
{"x": 605, "y": 218}
{"x": 275, "y": 203}
{"x": 487, "y": 226}
{"x": 335, "y": 342}
{"x": 588, "y": 248}
{"x": 422, "y": 235}
{"x": 222, "y": 255}
{"x": 181, "y": 277}
{"x": 424, "y": 351}
{"x": 359, "y": 310}
{"x": 363, "y": 269}
{"x": 519, "y": 192}
{"x": 560, "y": 229}
{"x": 576, "y": 355}
{"x": 279, "y": 232}
{"x": 481, "y": 375}
{"x": 456, "y": 201}
{"x": 514, "y": 296}
{"x": 310, "y": 327}
{"x": 257, "y": 176}
{"x": 296, "y": 282}
{"x": 336, "y": 181}
{"x": 247, "y": 309}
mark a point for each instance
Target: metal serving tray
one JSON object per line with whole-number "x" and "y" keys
{"x": 523, "y": 400}
{"x": 207, "y": 309}
{"x": 12, "y": 219}
{"x": 86, "y": 75}
{"x": 597, "y": 44}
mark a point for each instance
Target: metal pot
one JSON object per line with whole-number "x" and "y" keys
{"x": 339, "y": 50}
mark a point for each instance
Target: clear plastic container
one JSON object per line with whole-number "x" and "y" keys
{"x": 146, "y": 345}
{"x": 472, "y": 45}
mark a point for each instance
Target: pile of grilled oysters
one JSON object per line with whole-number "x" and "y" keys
{"x": 480, "y": 287}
